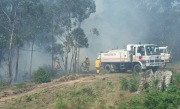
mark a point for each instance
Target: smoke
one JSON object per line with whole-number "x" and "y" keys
{"x": 40, "y": 58}
{"x": 119, "y": 22}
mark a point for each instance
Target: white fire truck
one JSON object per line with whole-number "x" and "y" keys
{"x": 135, "y": 57}
{"x": 165, "y": 55}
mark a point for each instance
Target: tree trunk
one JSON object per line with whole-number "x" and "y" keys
{"x": 75, "y": 58}
{"x": 66, "y": 58}
{"x": 52, "y": 54}
{"x": 32, "y": 51}
{"x": 78, "y": 58}
{"x": 71, "y": 60}
{"x": 10, "y": 54}
{"x": 17, "y": 63}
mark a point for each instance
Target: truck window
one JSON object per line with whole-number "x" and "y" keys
{"x": 141, "y": 50}
{"x": 163, "y": 51}
{"x": 157, "y": 51}
{"x": 152, "y": 50}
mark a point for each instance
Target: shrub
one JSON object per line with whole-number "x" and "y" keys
{"x": 3, "y": 84}
{"x": 60, "y": 103}
{"x": 134, "y": 84}
{"x": 41, "y": 76}
{"x": 161, "y": 100}
{"x": 87, "y": 90}
{"x": 110, "y": 84}
{"x": 136, "y": 103}
{"x": 168, "y": 99}
{"x": 176, "y": 78}
{"x": 55, "y": 73}
{"x": 18, "y": 100}
{"x": 82, "y": 97}
{"x": 28, "y": 98}
{"x": 124, "y": 83}
{"x": 21, "y": 85}
{"x": 155, "y": 99}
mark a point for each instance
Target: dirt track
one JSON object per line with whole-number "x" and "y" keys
{"x": 13, "y": 94}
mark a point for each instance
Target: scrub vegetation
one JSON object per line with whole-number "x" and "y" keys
{"x": 110, "y": 91}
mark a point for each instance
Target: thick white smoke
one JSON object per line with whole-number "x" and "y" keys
{"x": 119, "y": 23}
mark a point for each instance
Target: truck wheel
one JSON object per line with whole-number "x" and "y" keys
{"x": 108, "y": 68}
{"x": 154, "y": 69}
{"x": 137, "y": 68}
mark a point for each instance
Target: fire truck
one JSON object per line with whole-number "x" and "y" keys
{"x": 136, "y": 57}
{"x": 165, "y": 55}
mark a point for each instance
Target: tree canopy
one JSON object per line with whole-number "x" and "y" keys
{"x": 41, "y": 23}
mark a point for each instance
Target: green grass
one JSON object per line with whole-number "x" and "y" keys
{"x": 28, "y": 98}
{"x": 60, "y": 103}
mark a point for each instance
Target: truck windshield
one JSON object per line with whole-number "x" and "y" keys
{"x": 163, "y": 51}
{"x": 152, "y": 50}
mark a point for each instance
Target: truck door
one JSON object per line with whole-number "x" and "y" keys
{"x": 165, "y": 55}
{"x": 134, "y": 53}
{"x": 138, "y": 52}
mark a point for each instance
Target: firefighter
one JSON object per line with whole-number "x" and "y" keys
{"x": 57, "y": 64}
{"x": 98, "y": 65}
{"x": 87, "y": 64}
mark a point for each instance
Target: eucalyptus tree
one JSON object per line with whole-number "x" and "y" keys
{"x": 3, "y": 34}
{"x": 18, "y": 19}
{"x": 52, "y": 28}
{"x": 73, "y": 13}
{"x": 37, "y": 25}
{"x": 9, "y": 19}
{"x": 80, "y": 41}
{"x": 29, "y": 27}
{"x": 17, "y": 43}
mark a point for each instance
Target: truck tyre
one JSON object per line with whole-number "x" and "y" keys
{"x": 154, "y": 69}
{"x": 137, "y": 68}
{"x": 108, "y": 68}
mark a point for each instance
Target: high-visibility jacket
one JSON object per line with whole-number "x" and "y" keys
{"x": 97, "y": 63}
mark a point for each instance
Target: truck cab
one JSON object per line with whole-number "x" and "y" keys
{"x": 165, "y": 55}
{"x": 146, "y": 55}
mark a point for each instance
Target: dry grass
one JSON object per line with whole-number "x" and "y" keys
{"x": 92, "y": 92}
